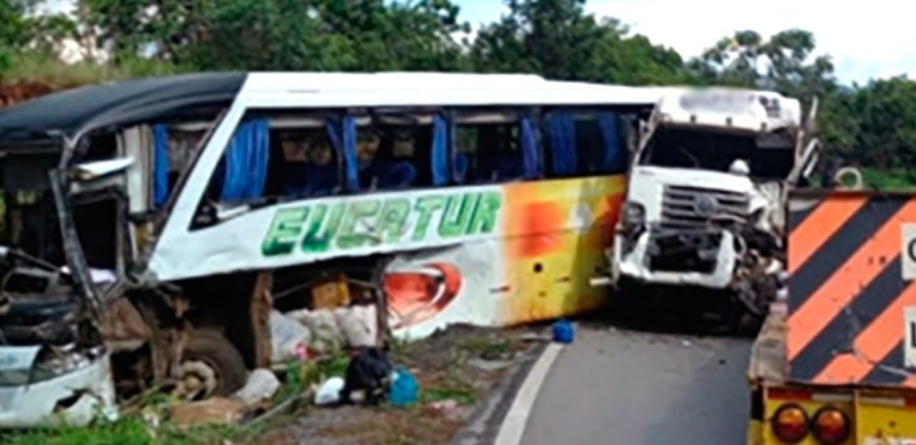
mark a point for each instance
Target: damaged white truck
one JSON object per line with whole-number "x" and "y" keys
{"x": 705, "y": 203}
{"x": 153, "y": 229}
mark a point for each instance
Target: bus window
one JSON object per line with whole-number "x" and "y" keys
{"x": 308, "y": 166}
{"x": 584, "y": 143}
{"x": 393, "y": 152}
{"x": 495, "y": 148}
{"x": 278, "y": 157}
{"x": 173, "y": 150}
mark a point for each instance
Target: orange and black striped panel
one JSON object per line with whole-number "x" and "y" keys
{"x": 846, "y": 290}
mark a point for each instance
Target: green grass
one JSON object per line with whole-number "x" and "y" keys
{"x": 889, "y": 180}
{"x": 128, "y": 431}
{"x": 133, "y": 430}
{"x": 40, "y": 68}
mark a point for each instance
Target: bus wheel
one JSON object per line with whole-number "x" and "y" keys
{"x": 211, "y": 366}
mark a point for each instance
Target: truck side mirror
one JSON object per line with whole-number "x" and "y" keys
{"x": 811, "y": 119}
{"x": 806, "y": 161}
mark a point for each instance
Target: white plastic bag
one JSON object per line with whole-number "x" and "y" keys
{"x": 288, "y": 337}
{"x": 359, "y": 325}
{"x": 326, "y": 333}
{"x": 329, "y": 391}
{"x": 262, "y": 385}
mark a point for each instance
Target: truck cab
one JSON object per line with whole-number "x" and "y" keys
{"x": 708, "y": 177}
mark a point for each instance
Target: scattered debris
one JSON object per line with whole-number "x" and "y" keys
{"x": 289, "y": 337}
{"x": 435, "y": 382}
{"x": 563, "y": 332}
{"x": 404, "y": 388}
{"x": 489, "y": 365}
{"x": 329, "y": 392}
{"x": 217, "y": 410}
{"x": 368, "y": 377}
{"x": 262, "y": 385}
{"x": 449, "y": 408}
{"x": 453, "y": 370}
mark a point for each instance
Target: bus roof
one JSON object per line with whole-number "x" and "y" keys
{"x": 72, "y": 113}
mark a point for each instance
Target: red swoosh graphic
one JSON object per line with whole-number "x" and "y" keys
{"x": 416, "y": 296}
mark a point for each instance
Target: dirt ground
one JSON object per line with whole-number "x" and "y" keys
{"x": 455, "y": 369}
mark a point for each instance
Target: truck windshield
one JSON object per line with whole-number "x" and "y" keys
{"x": 770, "y": 155}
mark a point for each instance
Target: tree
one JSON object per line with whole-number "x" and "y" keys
{"x": 635, "y": 60}
{"x": 352, "y": 35}
{"x": 784, "y": 62}
{"x": 885, "y": 124}
{"x": 398, "y": 35}
{"x": 557, "y": 39}
{"x": 14, "y": 26}
{"x": 238, "y": 34}
{"x": 22, "y": 29}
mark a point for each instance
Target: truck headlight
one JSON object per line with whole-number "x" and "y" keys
{"x": 634, "y": 216}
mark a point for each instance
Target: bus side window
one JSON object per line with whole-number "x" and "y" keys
{"x": 602, "y": 149}
{"x": 278, "y": 156}
{"x": 584, "y": 144}
{"x": 400, "y": 149}
{"x": 466, "y": 152}
{"x": 308, "y": 165}
{"x": 173, "y": 147}
{"x": 387, "y": 157}
{"x": 496, "y": 152}
{"x": 241, "y": 175}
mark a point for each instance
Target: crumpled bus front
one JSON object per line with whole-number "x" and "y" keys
{"x": 41, "y": 386}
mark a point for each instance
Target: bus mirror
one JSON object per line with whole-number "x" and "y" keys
{"x": 93, "y": 170}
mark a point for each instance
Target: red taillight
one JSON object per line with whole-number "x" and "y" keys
{"x": 830, "y": 426}
{"x": 790, "y": 423}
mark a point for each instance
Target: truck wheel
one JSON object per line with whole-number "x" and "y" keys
{"x": 211, "y": 366}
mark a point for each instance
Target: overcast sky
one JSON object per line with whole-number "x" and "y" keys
{"x": 865, "y": 40}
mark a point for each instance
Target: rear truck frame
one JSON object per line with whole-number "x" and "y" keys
{"x": 834, "y": 361}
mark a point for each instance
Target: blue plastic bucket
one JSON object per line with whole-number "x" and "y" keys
{"x": 563, "y": 332}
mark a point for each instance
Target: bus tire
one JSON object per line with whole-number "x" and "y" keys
{"x": 210, "y": 357}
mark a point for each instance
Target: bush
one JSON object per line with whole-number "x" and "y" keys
{"x": 49, "y": 70}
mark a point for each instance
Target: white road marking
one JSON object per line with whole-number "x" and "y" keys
{"x": 513, "y": 427}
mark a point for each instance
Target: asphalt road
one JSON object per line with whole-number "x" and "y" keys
{"x": 631, "y": 388}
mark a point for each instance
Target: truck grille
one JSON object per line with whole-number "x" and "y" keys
{"x": 680, "y": 207}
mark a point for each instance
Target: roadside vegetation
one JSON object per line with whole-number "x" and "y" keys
{"x": 455, "y": 370}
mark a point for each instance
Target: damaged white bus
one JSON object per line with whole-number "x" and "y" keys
{"x": 153, "y": 229}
